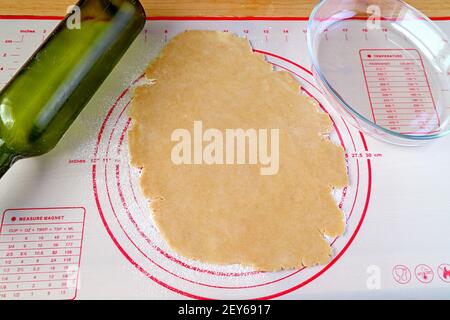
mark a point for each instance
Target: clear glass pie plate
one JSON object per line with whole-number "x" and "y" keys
{"x": 384, "y": 66}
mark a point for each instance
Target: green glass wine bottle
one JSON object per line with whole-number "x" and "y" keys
{"x": 45, "y": 96}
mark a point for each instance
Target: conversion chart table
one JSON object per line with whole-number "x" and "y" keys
{"x": 40, "y": 252}
{"x": 399, "y": 91}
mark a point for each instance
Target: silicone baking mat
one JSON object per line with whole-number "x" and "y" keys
{"x": 74, "y": 224}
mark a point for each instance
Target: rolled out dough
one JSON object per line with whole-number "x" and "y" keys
{"x": 227, "y": 214}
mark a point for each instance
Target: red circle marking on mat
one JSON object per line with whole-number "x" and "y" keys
{"x": 187, "y": 294}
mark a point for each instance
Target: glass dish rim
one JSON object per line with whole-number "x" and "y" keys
{"x": 342, "y": 102}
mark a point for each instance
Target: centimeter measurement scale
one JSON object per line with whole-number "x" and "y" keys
{"x": 398, "y": 93}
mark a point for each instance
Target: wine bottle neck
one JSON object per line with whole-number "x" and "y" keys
{"x": 7, "y": 158}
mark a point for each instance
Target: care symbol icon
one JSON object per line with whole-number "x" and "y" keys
{"x": 401, "y": 274}
{"x": 424, "y": 273}
{"x": 444, "y": 272}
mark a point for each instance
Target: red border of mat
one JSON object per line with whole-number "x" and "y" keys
{"x": 184, "y": 18}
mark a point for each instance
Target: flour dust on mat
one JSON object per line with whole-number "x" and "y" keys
{"x": 235, "y": 161}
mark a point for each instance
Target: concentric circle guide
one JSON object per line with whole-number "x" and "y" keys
{"x": 127, "y": 219}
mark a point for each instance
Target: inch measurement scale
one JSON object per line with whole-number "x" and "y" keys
{"x": 123, "y": 255}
